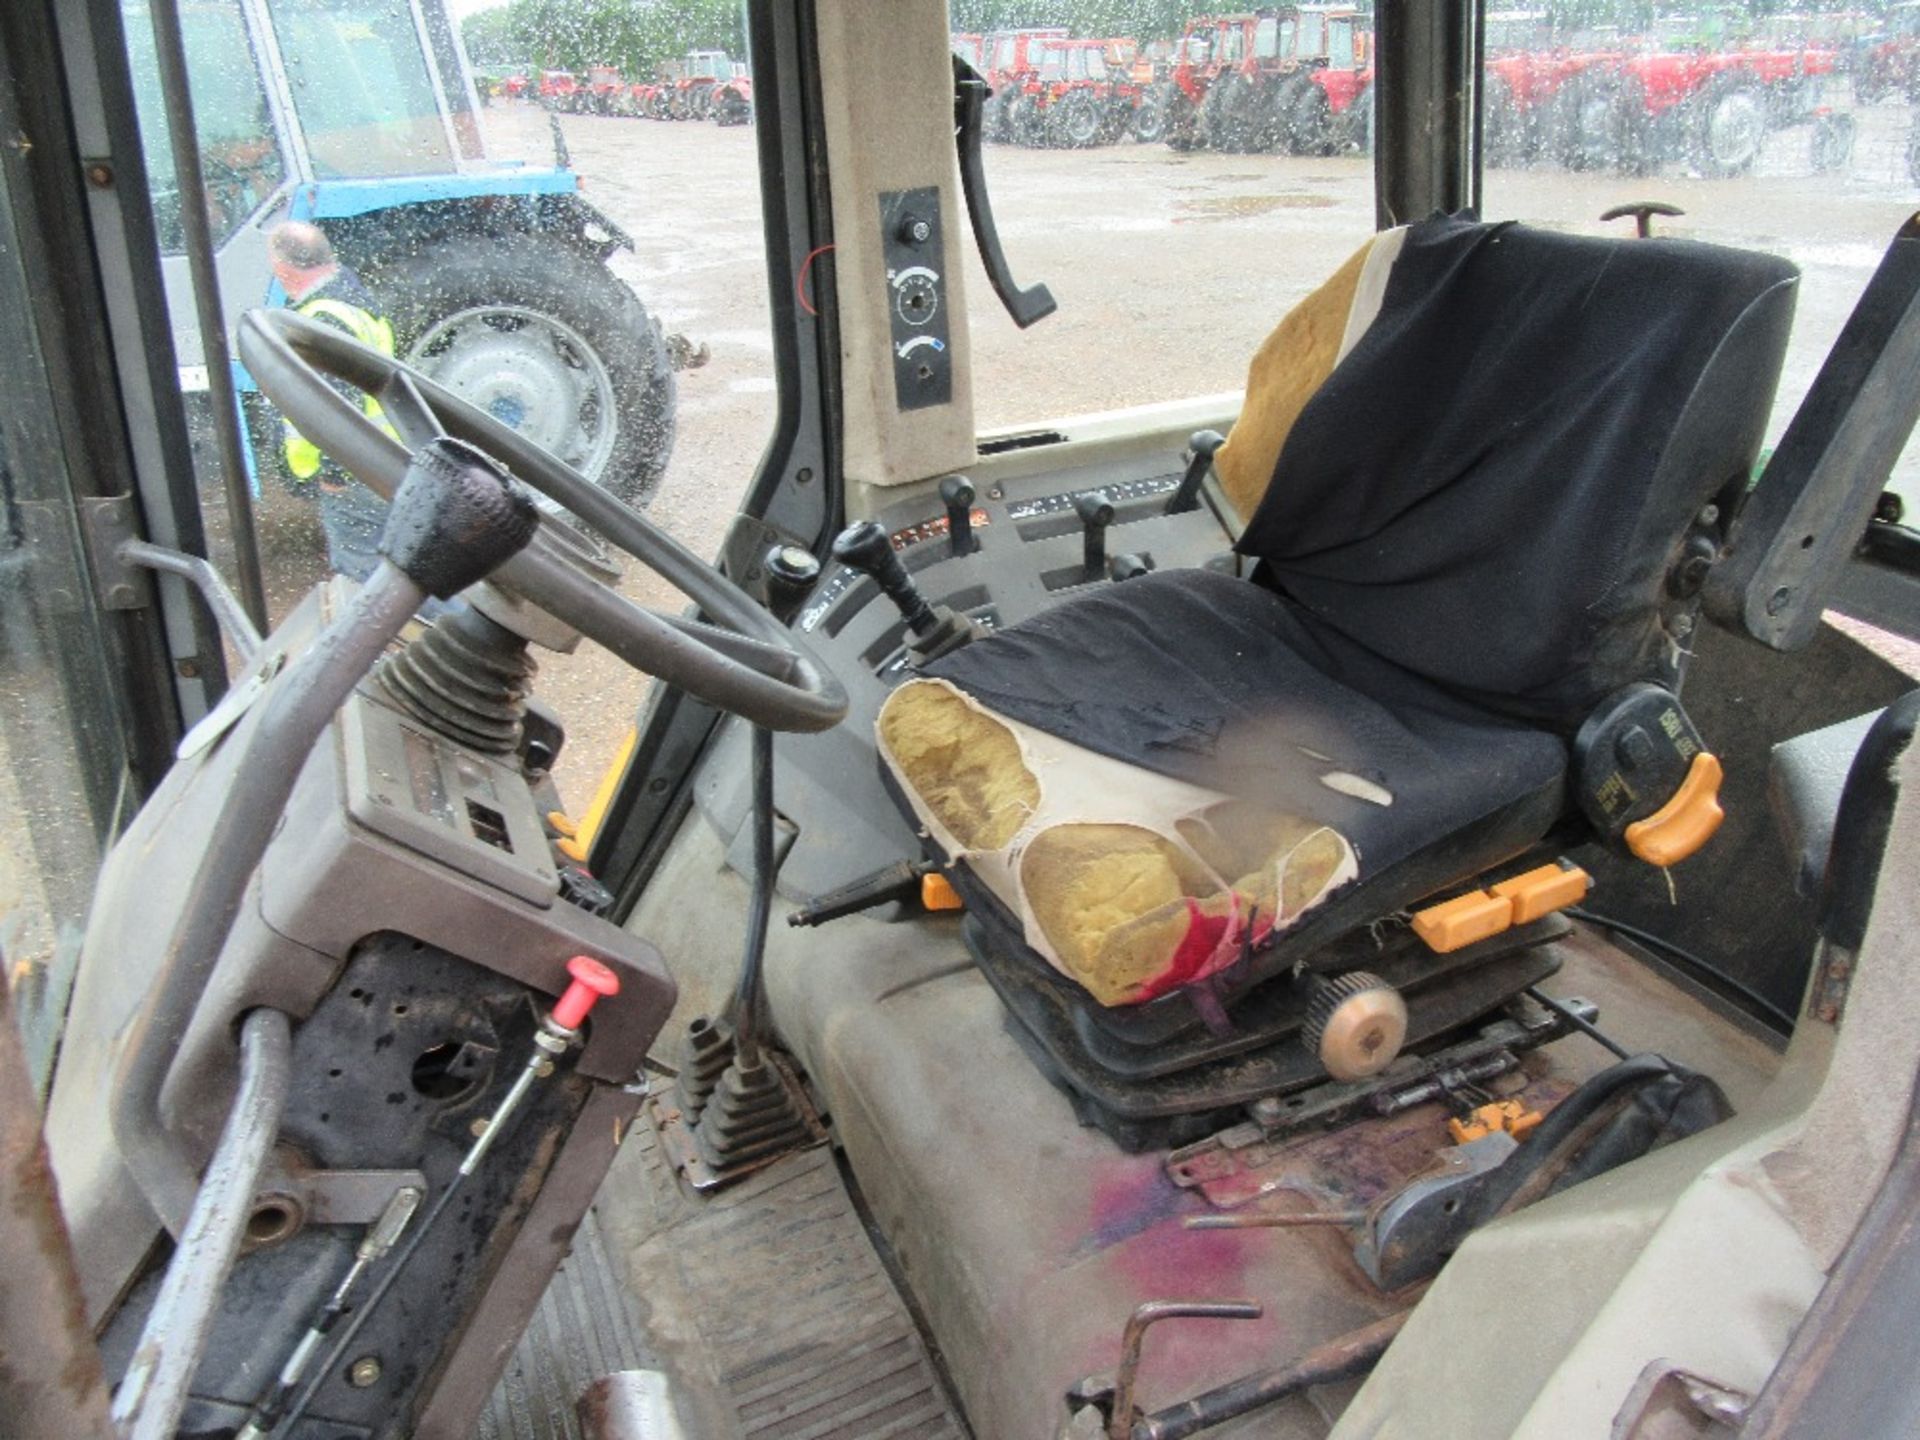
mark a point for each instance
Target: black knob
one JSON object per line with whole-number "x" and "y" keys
{"x": 956, "y": 493}
{"x": 1201, "y": 446}
{"x": 914, "y": 229}
{"x": 1096, "y": 513}
{"x": 866, "y": 548}
{"x": 1129, "y": 566}
{"x": 456, "y": 517}
{"x": 791, "y": 573}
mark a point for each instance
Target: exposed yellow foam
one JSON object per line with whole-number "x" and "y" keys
{"x": 964, "y": 764}
{"x": 1112, "y": 901}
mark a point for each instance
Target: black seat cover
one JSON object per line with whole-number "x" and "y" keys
{"x": 1490, "y": 488}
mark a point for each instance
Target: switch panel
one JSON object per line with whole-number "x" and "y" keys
{"x": 910, "y": 240}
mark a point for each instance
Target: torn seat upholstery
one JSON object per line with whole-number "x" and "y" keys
{"x": 1467, "y": 467}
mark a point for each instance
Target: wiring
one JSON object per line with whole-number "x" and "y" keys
{"x": 800, "y": 279}
{"x": 1712, "y": 978}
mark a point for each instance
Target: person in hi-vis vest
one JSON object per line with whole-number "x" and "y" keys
{"x": 320, "y": 287}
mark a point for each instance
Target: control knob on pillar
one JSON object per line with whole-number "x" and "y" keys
{"x": 1096, "y": 513}
{"x": 956, "y": 493}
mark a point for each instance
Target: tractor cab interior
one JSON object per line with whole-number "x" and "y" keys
{"x": 1126, "y": 873}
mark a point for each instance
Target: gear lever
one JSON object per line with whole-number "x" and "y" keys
{"x": 932, "y": 630}
{"x": 866, "y": 548}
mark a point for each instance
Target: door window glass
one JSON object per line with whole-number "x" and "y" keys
{"x": 361, "y": 87}
{"x": 238, "y": 151}
{"x": 1176, "y": 224}
{"x": 62, "y": 764}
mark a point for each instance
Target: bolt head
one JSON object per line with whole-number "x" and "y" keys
{"x": 478, "y": 1127}
{"x": 364, "y": 1372}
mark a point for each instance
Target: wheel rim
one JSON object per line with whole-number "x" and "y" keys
{"x": 1733, "y": 129}
{"x": 1083, "y": 125}
{"x": 532, "y": 373}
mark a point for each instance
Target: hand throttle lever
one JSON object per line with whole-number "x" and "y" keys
{"x": 1201, "y": 448}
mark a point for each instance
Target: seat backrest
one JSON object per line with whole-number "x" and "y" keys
{"x": 1495, "y": 486}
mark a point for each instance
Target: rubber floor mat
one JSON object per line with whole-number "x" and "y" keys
{"x": 587, "y": 1326}
{"x": 779, "y": 1300}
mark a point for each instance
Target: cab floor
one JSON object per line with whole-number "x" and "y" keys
{"x": 1025, "y": 1239}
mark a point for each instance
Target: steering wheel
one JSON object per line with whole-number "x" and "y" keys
{"x": 747, "y": 664}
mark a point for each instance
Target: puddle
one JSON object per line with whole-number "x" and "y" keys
{"x": 1234, "y": 207}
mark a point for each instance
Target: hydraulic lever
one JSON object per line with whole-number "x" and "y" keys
{"x": 970, "y": 91}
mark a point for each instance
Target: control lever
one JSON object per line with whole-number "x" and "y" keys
{"x": 933, "y": 630}
{"x": 956, "y": 493}
{"x": 970, "y": 91}
{"x": 1200, "y": 451}
{"x": 1096, "y": 513}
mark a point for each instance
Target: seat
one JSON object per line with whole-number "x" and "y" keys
{"x": 1495, "y": 459}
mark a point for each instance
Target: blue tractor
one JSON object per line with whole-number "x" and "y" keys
{"x": 362, "y": 116}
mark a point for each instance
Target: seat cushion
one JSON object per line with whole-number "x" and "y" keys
{"x": 1158, "y": 774}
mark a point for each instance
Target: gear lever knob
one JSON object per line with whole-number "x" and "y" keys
{"x": 866, "y": 547}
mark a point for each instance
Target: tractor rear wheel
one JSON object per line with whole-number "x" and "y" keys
{"x": 1732, "y": 127}
{"x": 543, "y": 337}
{"x": 1229, "y": 118}
{"x": 1590, "y": 123}
{"x": 1310, "y": 121}
{"x": 1077, "y": 122}
{"x": 1154, "y": 113}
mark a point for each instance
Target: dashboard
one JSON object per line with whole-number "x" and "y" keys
{"x": 1026, "y": 550}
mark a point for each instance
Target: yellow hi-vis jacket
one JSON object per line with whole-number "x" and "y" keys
{"x": 303, "y": 456}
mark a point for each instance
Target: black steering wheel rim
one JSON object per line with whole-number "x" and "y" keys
{"x": 747, "y": 663}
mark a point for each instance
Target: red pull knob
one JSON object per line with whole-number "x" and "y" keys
{"x": 592, "y": 981}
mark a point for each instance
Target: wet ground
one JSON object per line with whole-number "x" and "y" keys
{"x": 1169, "y": 269}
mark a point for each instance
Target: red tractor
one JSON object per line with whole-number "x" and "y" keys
{"x": 1170, "y": 109}
{"x": 558, "y": 89}
{"x": 1081, "y": 93}
{"x": 1334, "y": 110}
{"x": 1288, "y": 80}
{"x": 1692, "y": 95}
{"x": 1531, "y": 92}
{"x": 1010, "y": 62}
{"x": 603, "y": 92}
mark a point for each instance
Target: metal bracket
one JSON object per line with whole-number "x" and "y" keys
{"x": 109, "y": 523}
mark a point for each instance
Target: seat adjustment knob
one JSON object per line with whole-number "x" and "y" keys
{"x": 1356, "y": 1024}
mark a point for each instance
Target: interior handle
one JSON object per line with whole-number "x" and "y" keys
{"x": 1035, "y": 302}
